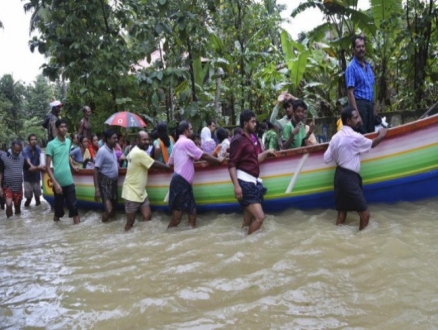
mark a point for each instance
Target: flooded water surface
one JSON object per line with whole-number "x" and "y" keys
{"x": 299, "y": 272}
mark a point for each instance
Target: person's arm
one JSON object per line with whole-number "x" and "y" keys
{"x": 379, "y": 137}
{"x": 56, "y": 186}
{"x": 274, "y": 114}
{"x": 237, "y": 188}
{"x": 211, "y": 159}
{"x": 97, "y": 196}
{"x": 262, "y": 156}
{"x": 351, "y": 99}
{"x": 53, "y": 129}
{"x": 160, "y": 166}
{"x": 328, "y": 157}
{"x": 73, "y": 165}
{"x": 81, "y": 127}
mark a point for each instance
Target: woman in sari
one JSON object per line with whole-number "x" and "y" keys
{"x": 81, "y": 155}
{"x": 163, "y": 145}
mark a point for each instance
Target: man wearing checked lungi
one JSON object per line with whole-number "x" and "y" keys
{"x": 243, "y": 166}
{"x": 106, "y": 173}
{"x": 345, "y": 149}
{"x": 184, "y": 153}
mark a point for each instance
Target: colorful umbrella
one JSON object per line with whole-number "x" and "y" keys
{"x": 125, "y": 119}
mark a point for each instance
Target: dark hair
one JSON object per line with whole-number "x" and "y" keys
{"x": 16, "y": 143}
{"x": 154, "y": 134}
{"x": 236, "y": 130}
{"x": 81, "y": 138}
{"x": 183, "y": 126}
{"x": 73, "y": 135}
{"x": 299, "y": 103}
{"x": 94, "y": 135}
{"x": 210, "y": 122}
{"x": 59, "y": 122}
{"x": 270, "y": 125}
{"x": 288, "y": 103}
{"x": 221, "y": 134}
{"x": 356, "y": 37}
{"x": 346, "y": 113}
{"x": 246, "y": 115}
{"x": 107, "y": 134}
{"x": 196, "y": 136}
{"x": 30, "y": 136}
{"x": 84, "y": 108}
{"x": 163, "y": 135}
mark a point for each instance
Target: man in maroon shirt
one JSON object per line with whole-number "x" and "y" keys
{"x": 244, "y": 172}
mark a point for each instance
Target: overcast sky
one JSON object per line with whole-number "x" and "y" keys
{"x": 16, "y": 58}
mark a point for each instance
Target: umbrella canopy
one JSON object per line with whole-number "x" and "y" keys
{"x": 125, "y": 119}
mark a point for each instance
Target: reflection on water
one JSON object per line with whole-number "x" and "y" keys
{"x": 299, "y": 272}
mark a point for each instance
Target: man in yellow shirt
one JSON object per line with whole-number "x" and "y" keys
{"x": 134, "y": 188}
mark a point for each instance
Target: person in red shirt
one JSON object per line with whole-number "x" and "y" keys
{"x": 243, "y": 166}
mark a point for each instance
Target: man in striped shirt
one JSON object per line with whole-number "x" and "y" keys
{"x": 11, "y": 172}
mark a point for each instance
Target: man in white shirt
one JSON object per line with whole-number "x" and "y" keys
{"x": 345, "y": 149}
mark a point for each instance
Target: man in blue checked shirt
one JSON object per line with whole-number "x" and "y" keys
{"x": 359, "y": 77}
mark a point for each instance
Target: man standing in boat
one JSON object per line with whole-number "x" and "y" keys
{"x": 345, "y": 149}
{"x": 282, "y": 99}
{"x": 58, "y": 152}
{"x": 184, "y": 153}
{"x": 359, "y": 78}
{"x": 106, "y": 173}
{"x": 84, "y": 125}
{"x": 134, "y": 188}
{"x": 243, "y": 166}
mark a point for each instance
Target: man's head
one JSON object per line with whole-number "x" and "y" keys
{"x": 110, "y": 138}
{"x": 32, "y": 139}
{"x": 143, "y": 140}
{"x": 185, "y": 128}
{"x": 248, "y": 121}
{"x": 212, "y": 126}
{"x": 222, "y": 134}
{"x": 358, "y": 45}
{"x": 16, "y": 147}
{"x": 300, "y": 108}
{"x": 288, "y": 108}
{"x": 61, "y": 126}
{"x": 86, "y": 111}
{"x": 56, "y": 107}
{"x": 350, "y": 117}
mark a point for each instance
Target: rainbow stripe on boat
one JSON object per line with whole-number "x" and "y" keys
{"x": 404, "y": 167}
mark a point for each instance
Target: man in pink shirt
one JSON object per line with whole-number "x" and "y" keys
{"x": 184, "y": 153}
{"x": 345, "y": 149}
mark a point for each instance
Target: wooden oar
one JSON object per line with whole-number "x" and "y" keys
{"x": 427, "y": 112}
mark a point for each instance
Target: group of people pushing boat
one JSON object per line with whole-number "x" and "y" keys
{"x": 245, "y": 151}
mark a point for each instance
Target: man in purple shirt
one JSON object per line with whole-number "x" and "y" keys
{"x": 243, "y": 166}
{"x": 359, "y": 78}
{"x": 184, "y": 153}
{"x": 345, "y": 149}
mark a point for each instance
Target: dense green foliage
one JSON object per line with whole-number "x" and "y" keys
{"x": 201, "y": 59}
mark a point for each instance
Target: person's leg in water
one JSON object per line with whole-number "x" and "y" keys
{"x": 364, "y": 219}
{"x": 176, "y": 218}
{"x": 256, "y": 211}
{"x": 342, "y": 215}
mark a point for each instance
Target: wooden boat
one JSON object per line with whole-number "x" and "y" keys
{"x": 404, "y": 167}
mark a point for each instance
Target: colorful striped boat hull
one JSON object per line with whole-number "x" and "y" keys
{"x": 404, "y": 167}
